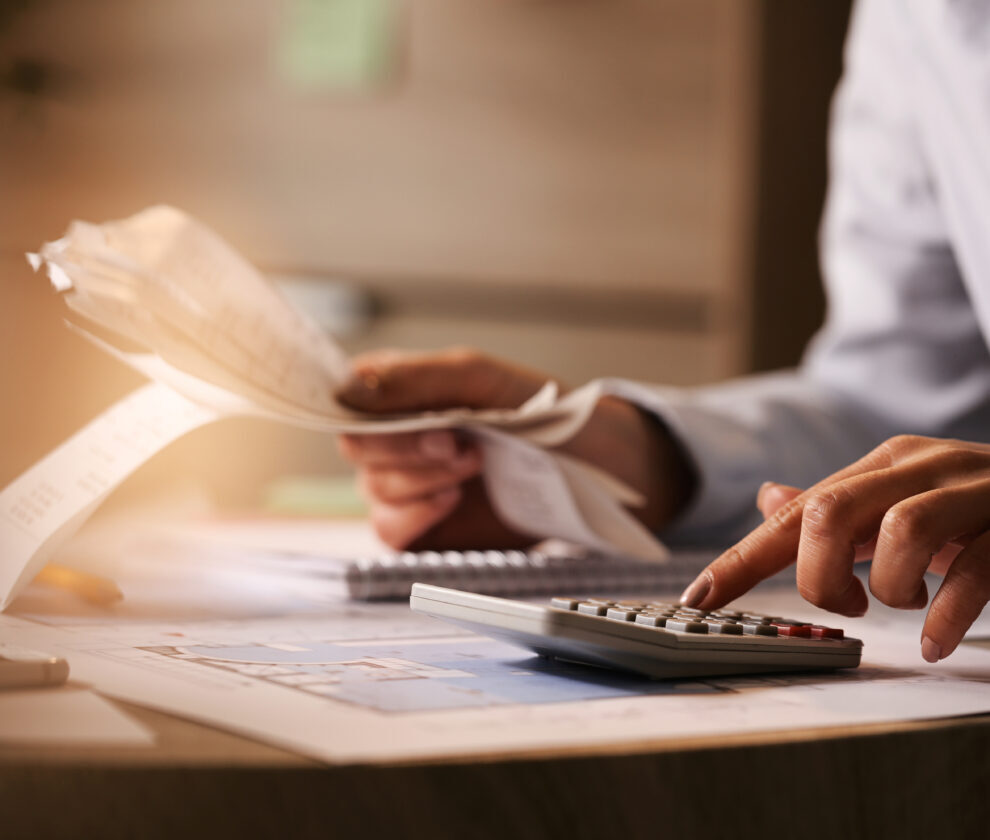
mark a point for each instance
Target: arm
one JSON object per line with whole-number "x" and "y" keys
{"x": 903, "y": 346}
{"x": 901, "y": 351}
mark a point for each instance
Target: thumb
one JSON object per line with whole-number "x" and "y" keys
{"x": 388, "y": 381}
{"x": 773, "y": 496}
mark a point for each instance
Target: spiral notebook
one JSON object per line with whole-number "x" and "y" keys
{"x": 516, "y": 573}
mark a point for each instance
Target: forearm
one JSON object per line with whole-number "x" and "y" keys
{"x": 638, "y": 449}
{"x": 782, "y": 427}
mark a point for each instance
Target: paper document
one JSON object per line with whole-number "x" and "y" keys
{"x": 377, "y": 683}
{"x": 45, "y": 505}
{"x": 220, "y": 341}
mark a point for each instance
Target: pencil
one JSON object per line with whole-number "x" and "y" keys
{"x": 92, "y": 588}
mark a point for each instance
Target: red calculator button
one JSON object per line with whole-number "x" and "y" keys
{"x": 802, "y": 631}
{"x": 819, "y": 632}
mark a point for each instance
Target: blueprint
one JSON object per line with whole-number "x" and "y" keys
{"x": 436, "y": 674}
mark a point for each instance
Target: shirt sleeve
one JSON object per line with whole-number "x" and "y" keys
{"x": 901, "y": 350}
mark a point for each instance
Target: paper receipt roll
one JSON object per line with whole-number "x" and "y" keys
{"x": 44, "y": 506}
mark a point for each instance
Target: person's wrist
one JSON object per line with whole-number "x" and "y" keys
{"x": 636, "y": 447}
{"x": 676, "y": 474}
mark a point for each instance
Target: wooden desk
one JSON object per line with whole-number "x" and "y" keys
{"x": 909, "y": 780}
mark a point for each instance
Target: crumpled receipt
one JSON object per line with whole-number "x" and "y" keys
{"x": 220, "y": 341}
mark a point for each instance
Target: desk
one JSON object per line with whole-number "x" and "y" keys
{"x": 907, "y": 780}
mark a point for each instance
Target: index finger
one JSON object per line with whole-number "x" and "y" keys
{"x": 762, "y": 553}
{"x": 768, "y": 549}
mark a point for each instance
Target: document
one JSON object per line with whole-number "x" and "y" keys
{"x": 218, "y": 341}
{"x": 376, "y": 683}
{"x": 43, "y": 507}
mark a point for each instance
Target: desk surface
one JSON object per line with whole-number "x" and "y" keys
{"x": 913, "y": 779}
{"x": 910, "y": 779}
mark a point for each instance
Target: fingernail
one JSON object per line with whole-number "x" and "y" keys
{"x": 766, "y": 485}
{"x": 930, "y": 651}
{"x": 439, "y": 445}
{"x": 697, "y": 591}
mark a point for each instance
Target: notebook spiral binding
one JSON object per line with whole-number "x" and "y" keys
{"x": 516, "y": 573}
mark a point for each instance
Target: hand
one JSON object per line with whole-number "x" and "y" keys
{"x": 414, "y": 482}
{"x": 913, "y": 504}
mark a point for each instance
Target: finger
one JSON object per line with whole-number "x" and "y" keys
{"x": 405, "y": 451}
{"x": 396, "y": 486}
{"x": 389, "y": 381}
{"x": 943, "y": 560}
{"x": 837, "y": 519}
{"x": 959, "y": 601}
{"x": 865, "y": 551}
{"x": 399, "y": 524}
{"x": 772, "y": 497}
{"x": 771, "y": 547}
{"x": 917, "y": 529}
{"x": 762, "y": 553}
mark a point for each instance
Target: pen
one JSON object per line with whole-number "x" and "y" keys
{"x": 92, "y": 588}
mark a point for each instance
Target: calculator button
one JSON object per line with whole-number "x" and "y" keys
{"x": 759, "y": 629}
{"x": 651, "y": 619}
{"x": 620, "y": 614}
{"x": 681, "y": 619}
{"x": 564, "y": 603}
{"x": 801, "y": 631}
{"x": 726, "y": 628}
{"x": 686, "y": 626}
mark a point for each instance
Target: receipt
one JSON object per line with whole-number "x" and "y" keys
{"x": 534, "y": 490}
{"x": 220, "y": 341}
{"x": 46, "y": 504}
{"x": 163, "y": 280}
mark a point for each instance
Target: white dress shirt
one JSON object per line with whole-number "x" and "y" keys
{"x": 906, "y": 258}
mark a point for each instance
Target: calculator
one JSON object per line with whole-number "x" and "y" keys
{"x": 657, "y": 639}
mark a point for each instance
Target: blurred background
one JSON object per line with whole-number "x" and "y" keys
{"x": 590, "y": 187}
